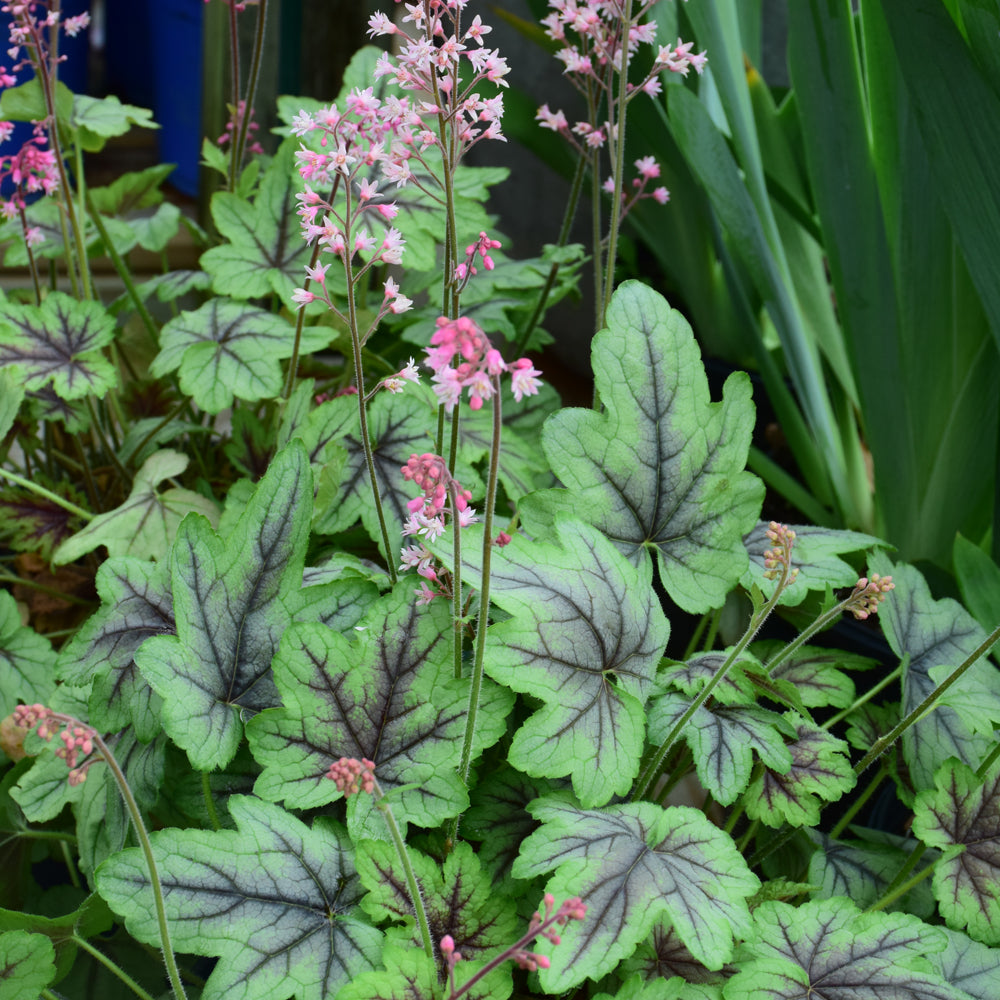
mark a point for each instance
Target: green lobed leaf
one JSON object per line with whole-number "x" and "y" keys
{"x": 938, "y": 635}
{"x": 27, "y": 965}
{"x": 26, "y": 660}
{"x": 821, "y": 770}
{"x": 408, "y": 975}
{"x": 964, "y": 810}
{"x": 585, "y": 636}
{"x": 817, "y": 674}
{"x": 231, "y": 608}
{"x": 830, "y": 948}
{"x": 969, "y": 965}
{"x": 389, "y": 696}
{"x": 265, "y": 253}
{"x": 59, "y": 343}
{"x": 97, "y": 119}
{"x": 136, "y": 604}
{"x": 978, "y": 579}
{"x": 633, "y": 865}
{"x": 226, "y": 350}
{"x": 723, "y": 741}
{"x": 276, "y": 901}
{"x": 30, "y": 522}
{"x": 664, "y": 956}
{"x": 862, "y": 870}
{"x": 459, "y": 900}
{"x": 146, "y": 524}
{"x": 661, "y": 469}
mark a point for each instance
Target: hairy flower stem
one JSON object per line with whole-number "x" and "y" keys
{"x": 868, "y": 695}
{"x": 404, "y": 858}
{"x": 242, "y": 124}
{"x": 359, "y": 377}
{"x": 572, "y": 204}
{"x": 652, "y": 769}
{"x": 859, "y": 803}
{"x": 484, "y": 586}
{"x": 616, "y": 139}
{"x": 48, "y": 494}
{"x": 123, "y": 272}
{"x": 880, "y": 746}
{"x": 114, "y": 969}
{"x": 32, "y": 265}
{"x": 147, "y": 849}
{"x": 458, "y": 630}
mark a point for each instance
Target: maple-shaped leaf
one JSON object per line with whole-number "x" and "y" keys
{"x": 387, "y": 695}
{"x": 146, "y": 524}
{"x": 522, "y": 467}
{"x": 27, "y": 965}
{"x": 97, "y": 119}
{"x": 829, "y": 948}
{"x": 585, "y": 636}
{"x": 27, "y": 660}
{"x": 59, "y": 343}
{"x": 723, "y": 740}
{"x": 136, "y": 604}
{"x": 815, "y": 554}
{"x": 964, "y": 811}
{"x": 459, "y": 899}
{"x": 264, "y": 253}
{"x": 398, "y": 426}
{"x": 633, "y": 865}
{"x": 33, "y": 523}
{"x": 863, "y": 869}
{"x": 821, "y": 770}
{"x": 231, "y": 608}
{"x": 498, "y": 818}
{"x": 938, "y": 635}
{"x": 225, "y": 350}
{"x": 275, "y": 900}
{"x": 408, "y": 974}
{"x": 691, "y": 676}
{"x": 817, "y": 674}
{"x": 661, "y": 469}
{"x": 663, "y": 955}
{"x": 638, "y": 988}
{"x": 969, "y": 965}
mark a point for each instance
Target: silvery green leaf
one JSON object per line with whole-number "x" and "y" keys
{"x": 275, "y": 901}
{"x": 660, "y": 470}
{"x": 633, "y": 865}
{"x": 231, "y": 606}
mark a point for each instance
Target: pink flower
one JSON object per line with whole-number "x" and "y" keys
{"x": 524, "y": 379}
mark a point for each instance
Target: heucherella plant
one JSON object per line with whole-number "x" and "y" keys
{"x": 340, "y": 661}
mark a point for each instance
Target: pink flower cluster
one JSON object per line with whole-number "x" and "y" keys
{"x": 478, "y": 365}
{"x": 430, "y": 63}
{"x": 481, "y": 248}
{"x": 76, "y": 737}
{"x": 572, "y": 909}
{"x": 868, "y": 594}
{"x": 352, "y": 775}
{"x": 591, "y": 33}
{"x": 31, "y": 169}
{"x": 442, "y": 494}
{"x": 232, "y": 126}
{"x": 648, "y": 169}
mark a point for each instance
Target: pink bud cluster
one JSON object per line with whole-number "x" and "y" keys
{"x": 540, "y": 926}
{"x": 352, "y": 775}
{"x": 482, "y": 248}
{"x": 778, "y": 560}
{"x": 591, "y": 33}
{"x": 235, "y": 121}
{"x": 77, "y": 738}
{"x": 477, "y": 368}
{"x": 868, "y": 594}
